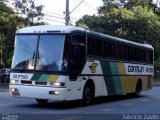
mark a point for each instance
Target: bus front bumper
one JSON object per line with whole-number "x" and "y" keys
{"x": 38, "y": 92}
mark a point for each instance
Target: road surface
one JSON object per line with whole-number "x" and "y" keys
{"x": 147, "y": 105}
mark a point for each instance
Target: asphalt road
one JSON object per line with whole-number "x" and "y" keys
{"x": 121, "y": 107}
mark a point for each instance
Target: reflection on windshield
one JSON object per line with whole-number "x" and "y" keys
{"x": 50, "y": 52}
{"x": 47, "y": 56}
{"x": 25, "y": 48}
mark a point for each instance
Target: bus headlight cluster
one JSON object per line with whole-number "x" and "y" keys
{"x": 13, "y": 81}
{"x": 59, "y": 84}
{"x": 15, "y": 92}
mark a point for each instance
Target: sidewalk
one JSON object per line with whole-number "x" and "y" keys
{"x": 4, "y": 87}
{"x": 156, "y": 84}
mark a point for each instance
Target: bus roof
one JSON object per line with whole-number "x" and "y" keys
{"x": 69, "y": 29}
{"x": 49, "y": 28}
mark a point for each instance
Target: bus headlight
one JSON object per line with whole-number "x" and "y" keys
{"x": 59, "y": 84}
{"x": 15, "y": 92}
{"x": 13, "y": 81}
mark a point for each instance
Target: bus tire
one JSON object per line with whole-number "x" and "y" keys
{"x": 42, "y": 101}
{"x": 138, "y": 88}
{"x": 88, "y": 94}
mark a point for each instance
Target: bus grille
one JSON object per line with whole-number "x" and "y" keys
{"x": 26, "y": 82}
{"x": 32, "y": 82}
{"x": 40, "y": 83}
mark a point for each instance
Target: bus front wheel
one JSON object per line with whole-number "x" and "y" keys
{"x": 42, "y": 101}
{"x": 87, "y": 95}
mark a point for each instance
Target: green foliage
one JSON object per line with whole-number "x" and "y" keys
{"x": 6, "y": 31}
{"x": 128, "y": 3}
{"x": 9, "y": 23}
{"x": 134, "y": 3}
{"x": 3, "y": 7}
{"x": 134, "y": 20}
{"x": 29, "y": 9}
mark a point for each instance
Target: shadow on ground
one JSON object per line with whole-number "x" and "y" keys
{"x": 78, "y": 103}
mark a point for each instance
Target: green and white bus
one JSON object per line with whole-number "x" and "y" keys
{"x": 65, "y": 63}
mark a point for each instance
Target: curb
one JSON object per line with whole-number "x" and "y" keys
{"x": 4, "y": 87}
{"x": 4, "y": 83}
{"x": 4, "y": 90}
{"x": 156, "y": 84}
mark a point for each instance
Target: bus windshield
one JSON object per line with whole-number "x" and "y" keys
{"x": 40, "y": 52}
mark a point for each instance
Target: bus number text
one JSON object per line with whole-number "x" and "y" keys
{"x": 20, "y": 76}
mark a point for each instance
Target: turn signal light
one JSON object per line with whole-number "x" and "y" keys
{"x": 54, "y": 92}
{"x": 13, "y": 81}
{"x": 59, "y": 84}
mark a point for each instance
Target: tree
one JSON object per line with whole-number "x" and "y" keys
{"x": 134, "y": 20}
{"x": 9, "y": 23}
{"x": 29, "y": 9}
{"x": 4, "y": 0}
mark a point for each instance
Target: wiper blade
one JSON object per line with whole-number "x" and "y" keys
{"x": 65, "y": 61}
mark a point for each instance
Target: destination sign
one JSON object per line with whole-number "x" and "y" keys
{"x": 139, "y": 69}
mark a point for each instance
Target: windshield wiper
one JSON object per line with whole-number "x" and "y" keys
{"x": 30, "y": 62}
{"x": 65, "y": 61}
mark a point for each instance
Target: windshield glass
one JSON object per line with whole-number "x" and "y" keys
{"x": 43, "y": 52}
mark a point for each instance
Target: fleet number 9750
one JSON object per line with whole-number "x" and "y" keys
{"x": 17, "y": 76}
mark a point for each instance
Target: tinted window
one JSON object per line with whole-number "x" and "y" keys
{"x": 78, "y": 38}
{"x": 149, "y": 56}
{"x": 94, "y": 47}
{"x": 131, "y": 53}
{"x": 109, "y": 49}
{"x": 121, "y": 51}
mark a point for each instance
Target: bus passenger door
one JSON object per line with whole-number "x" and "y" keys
{"x": 77, "y": 60}
{"x": 74, "y": 62}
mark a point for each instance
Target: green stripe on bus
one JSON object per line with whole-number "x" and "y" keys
{"x": 108, "y": 79}
{"x": 116, "y": 79}
{"x": 43, "y": 78}
{"x": 36, "y": 77}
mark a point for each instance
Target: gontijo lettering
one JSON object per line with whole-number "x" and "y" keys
{"x": 135, "y": 68}
{"x": 149, "y": 69}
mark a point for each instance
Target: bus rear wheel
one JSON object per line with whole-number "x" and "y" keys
{"x": 87, "y": 95}
{"x": 42, "y": 101}
{"x": 138, "y": 89}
